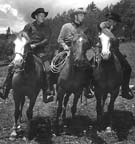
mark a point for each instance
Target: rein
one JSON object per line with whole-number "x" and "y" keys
{"x": 19, "y": 54}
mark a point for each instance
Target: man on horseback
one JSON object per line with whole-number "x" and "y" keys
{"x": 68, "y": 31}
{"x": 107, "y": 27}
{"x": 39, "y": 34}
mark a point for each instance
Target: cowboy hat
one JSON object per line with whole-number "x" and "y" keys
{"x": 113, "y": 16}
{"x": 39, "y": 10}
{"x": 79, "y": 11}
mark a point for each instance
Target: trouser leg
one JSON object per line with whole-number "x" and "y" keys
{"x": 126, "y": 71}
{"x": 126, "y": 76}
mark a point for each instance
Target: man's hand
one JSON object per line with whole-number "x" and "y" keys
{"x": 66, "y": 47}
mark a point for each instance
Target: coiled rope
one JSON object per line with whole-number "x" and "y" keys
{"x": 59, "y": 61}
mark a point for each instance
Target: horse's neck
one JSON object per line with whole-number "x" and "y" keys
{"x": 73, "y": 67}
{"x": 71, "y": 58}
{"x": 111, "y": 64}
{"x": 117, "y": 63}
{"x": 71, "y": 62}
{"x": 29, "y": 63}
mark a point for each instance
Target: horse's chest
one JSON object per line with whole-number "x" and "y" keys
{"x": 108, "y": 77}
{"x": 73, "y": 82}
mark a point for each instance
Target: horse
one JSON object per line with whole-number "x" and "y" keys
{"x": 107, "y": 78}
{"x": 74, "y": 76}
{"x": 27, "y": 79}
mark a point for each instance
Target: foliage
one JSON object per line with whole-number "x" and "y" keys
{"x": 126, "y": 9}
{"x": 126, "y": 29}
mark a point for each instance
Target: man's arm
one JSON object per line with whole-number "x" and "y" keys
{"x": 45, "y": 41}
{"x": 27, "y": 28}
{"x": 105, "y": 27}
{"x": 62, "y": 36}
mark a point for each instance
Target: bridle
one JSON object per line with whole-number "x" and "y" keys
{"x": 19, "y": 54}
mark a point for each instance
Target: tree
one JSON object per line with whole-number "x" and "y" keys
{"x": 126, "y": 9}
{"x": 8, "y": 32}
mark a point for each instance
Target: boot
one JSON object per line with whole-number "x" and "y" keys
{"x": 47, "y": 96}
{"x": 88, "y": 93}
{"x": 127, "y": 94}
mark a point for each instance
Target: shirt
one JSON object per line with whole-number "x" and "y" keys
{"x": 37, "y": 33}
{"x": 67, "y": 33}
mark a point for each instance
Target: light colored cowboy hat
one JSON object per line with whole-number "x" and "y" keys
{"x": 79, "y": 11}
{"x": 39, "y": 10}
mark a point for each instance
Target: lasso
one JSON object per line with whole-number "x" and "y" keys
{"x": 59, "y": 61}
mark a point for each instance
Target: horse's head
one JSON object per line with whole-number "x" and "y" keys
{"x": 106, "y": 44}
{"x": 20, "y": 48}
{"x": 80, "y": 44}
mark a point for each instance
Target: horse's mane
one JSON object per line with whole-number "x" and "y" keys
{"x": 29, "y": 63}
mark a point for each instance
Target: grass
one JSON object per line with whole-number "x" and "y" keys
{"x": 129, "y": 50}
{"x": 127, "y": 110}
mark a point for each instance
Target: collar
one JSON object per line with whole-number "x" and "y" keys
{"x": 38, "y": 25}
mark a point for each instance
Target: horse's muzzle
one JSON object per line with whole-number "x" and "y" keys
{"x": 105, "y": 56}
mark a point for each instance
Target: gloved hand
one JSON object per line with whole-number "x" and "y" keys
{"x": 66, "y": 47}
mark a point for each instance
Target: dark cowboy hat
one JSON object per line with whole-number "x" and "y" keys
{"x": 39, "y": 10}
{"x": 113, "y": 16}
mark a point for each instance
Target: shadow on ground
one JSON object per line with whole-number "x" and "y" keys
{"x": 122, "y": 122}
{"x": 82, "y": 126}
{"x": 41, "y": 128}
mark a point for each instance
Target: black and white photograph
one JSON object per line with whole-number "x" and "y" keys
{"x": 67, "y": 72}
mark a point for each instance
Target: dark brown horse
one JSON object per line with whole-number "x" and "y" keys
{"x": 27, "y": 81}
{"x": 107, "y": 78}
{"x": 74, "y": 76}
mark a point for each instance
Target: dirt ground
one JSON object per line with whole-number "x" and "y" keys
{"x": 81, "y": 129}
